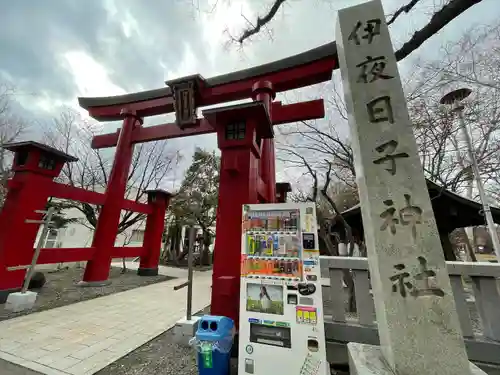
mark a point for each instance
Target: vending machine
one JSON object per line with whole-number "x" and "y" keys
{"x": 281, "y": 306}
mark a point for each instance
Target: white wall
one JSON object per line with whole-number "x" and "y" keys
{"x": 78, "y": 234}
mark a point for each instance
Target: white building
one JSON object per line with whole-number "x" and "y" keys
{"x": 80, "y": 233}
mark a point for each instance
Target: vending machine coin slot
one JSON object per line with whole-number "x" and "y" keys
{"x": 292, "y": 299}
{"x": 306, "y": 301}
{"x": 312, "y": 345}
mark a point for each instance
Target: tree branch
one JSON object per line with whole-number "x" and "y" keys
{"x": 261, "y": 21}
{"x": 440, "y": 19}
{"x": 405, "y": 8}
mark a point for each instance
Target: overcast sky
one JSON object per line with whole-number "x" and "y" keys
{"x": 57, "y": 50}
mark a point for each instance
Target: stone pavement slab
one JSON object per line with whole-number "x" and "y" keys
{"x": 162, "y": 270}
{"x": 82, "y": 338}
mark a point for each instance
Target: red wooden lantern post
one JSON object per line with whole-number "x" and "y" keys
{"x": 240, "y": 131}
{"x": 35, "y": 167}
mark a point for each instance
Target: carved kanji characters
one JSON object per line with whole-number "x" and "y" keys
{"x": 370, "y": 30}
{"x": 380, "y": 110}
{"x": 372, "y": 69}
{"x": 390, "y": 158}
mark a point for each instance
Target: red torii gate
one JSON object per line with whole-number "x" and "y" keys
{"x": 245, "y": 138}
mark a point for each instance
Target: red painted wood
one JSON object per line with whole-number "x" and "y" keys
{"x": 239, "y": 182}
{"x": 142, "y": 208}
{"x": 142, "y": 109}
{"x": 81, "y": 195}
{"x": 282, "y": 114}
{"x": 73, "y": 193}
{"x": 97, "y": 268}
{"x": 61, "y": 255}
{"x": 153, "y": 233}
{"x": 127, "y": 252}
{"x": 304, "y": 111}
{"x": 29, "y": 190}
{"x": 263, "y": 91}
{"x": 262, "y": 190}
{"x": 290, "y": 79}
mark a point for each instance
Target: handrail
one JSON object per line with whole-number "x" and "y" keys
{"x": 484, "y": 269}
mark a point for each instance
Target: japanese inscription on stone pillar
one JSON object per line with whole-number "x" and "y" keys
{"x": 410, "y": 283}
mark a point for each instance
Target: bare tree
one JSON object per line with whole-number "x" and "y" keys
{"x": 450, "y": 10}
{"x": 151, "y": 164}
{"x": 322, "y": 144}
{"x": 12, "y": 127}
{"x": 473, "y": 62}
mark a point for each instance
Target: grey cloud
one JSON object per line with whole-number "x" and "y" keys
{"x": 165, "y": 28}
{"x": 32, "y": 31}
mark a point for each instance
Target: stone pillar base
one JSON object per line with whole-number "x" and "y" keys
{"x": 18, "y": 301}
{"x": 4, "y": 294}
{"x": 368, "y": 360}
{"x": 147, "y": 271}
{"x": 92, "y": 284}
{"x": 185, "y": 330}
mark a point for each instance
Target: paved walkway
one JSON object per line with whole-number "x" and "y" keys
{"x": 82, "y": 338}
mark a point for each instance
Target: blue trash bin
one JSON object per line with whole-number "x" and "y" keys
{"x": 213, "y": 341}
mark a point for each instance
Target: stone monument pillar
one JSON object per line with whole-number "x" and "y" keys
{"x": 417, "y": 322}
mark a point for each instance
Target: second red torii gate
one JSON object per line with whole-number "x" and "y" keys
{"x": 245, "y": 137}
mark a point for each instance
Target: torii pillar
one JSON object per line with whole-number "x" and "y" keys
{"x": 263, "y": 91}
{"x": 97, "y": 269}
{"x": 241, "y": 130}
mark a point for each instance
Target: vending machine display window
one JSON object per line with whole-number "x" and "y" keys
{"x": 264, "y": 298}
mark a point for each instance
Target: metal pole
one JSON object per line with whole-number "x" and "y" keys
{"x": 484, "y": 200}
{"x": 41, "y": 241}
{"x": 192, "y": 238}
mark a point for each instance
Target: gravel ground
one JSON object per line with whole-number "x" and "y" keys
{"x": 61, "y": 289}
{"x": 160, "y": 356}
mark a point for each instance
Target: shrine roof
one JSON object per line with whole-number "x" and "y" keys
{"x": 325, "y": 51}
{"x": 16, "y": 146}
{"x": 450, "y": 209}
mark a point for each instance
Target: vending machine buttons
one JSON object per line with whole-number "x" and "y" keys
{"x": 308, "y": 242}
